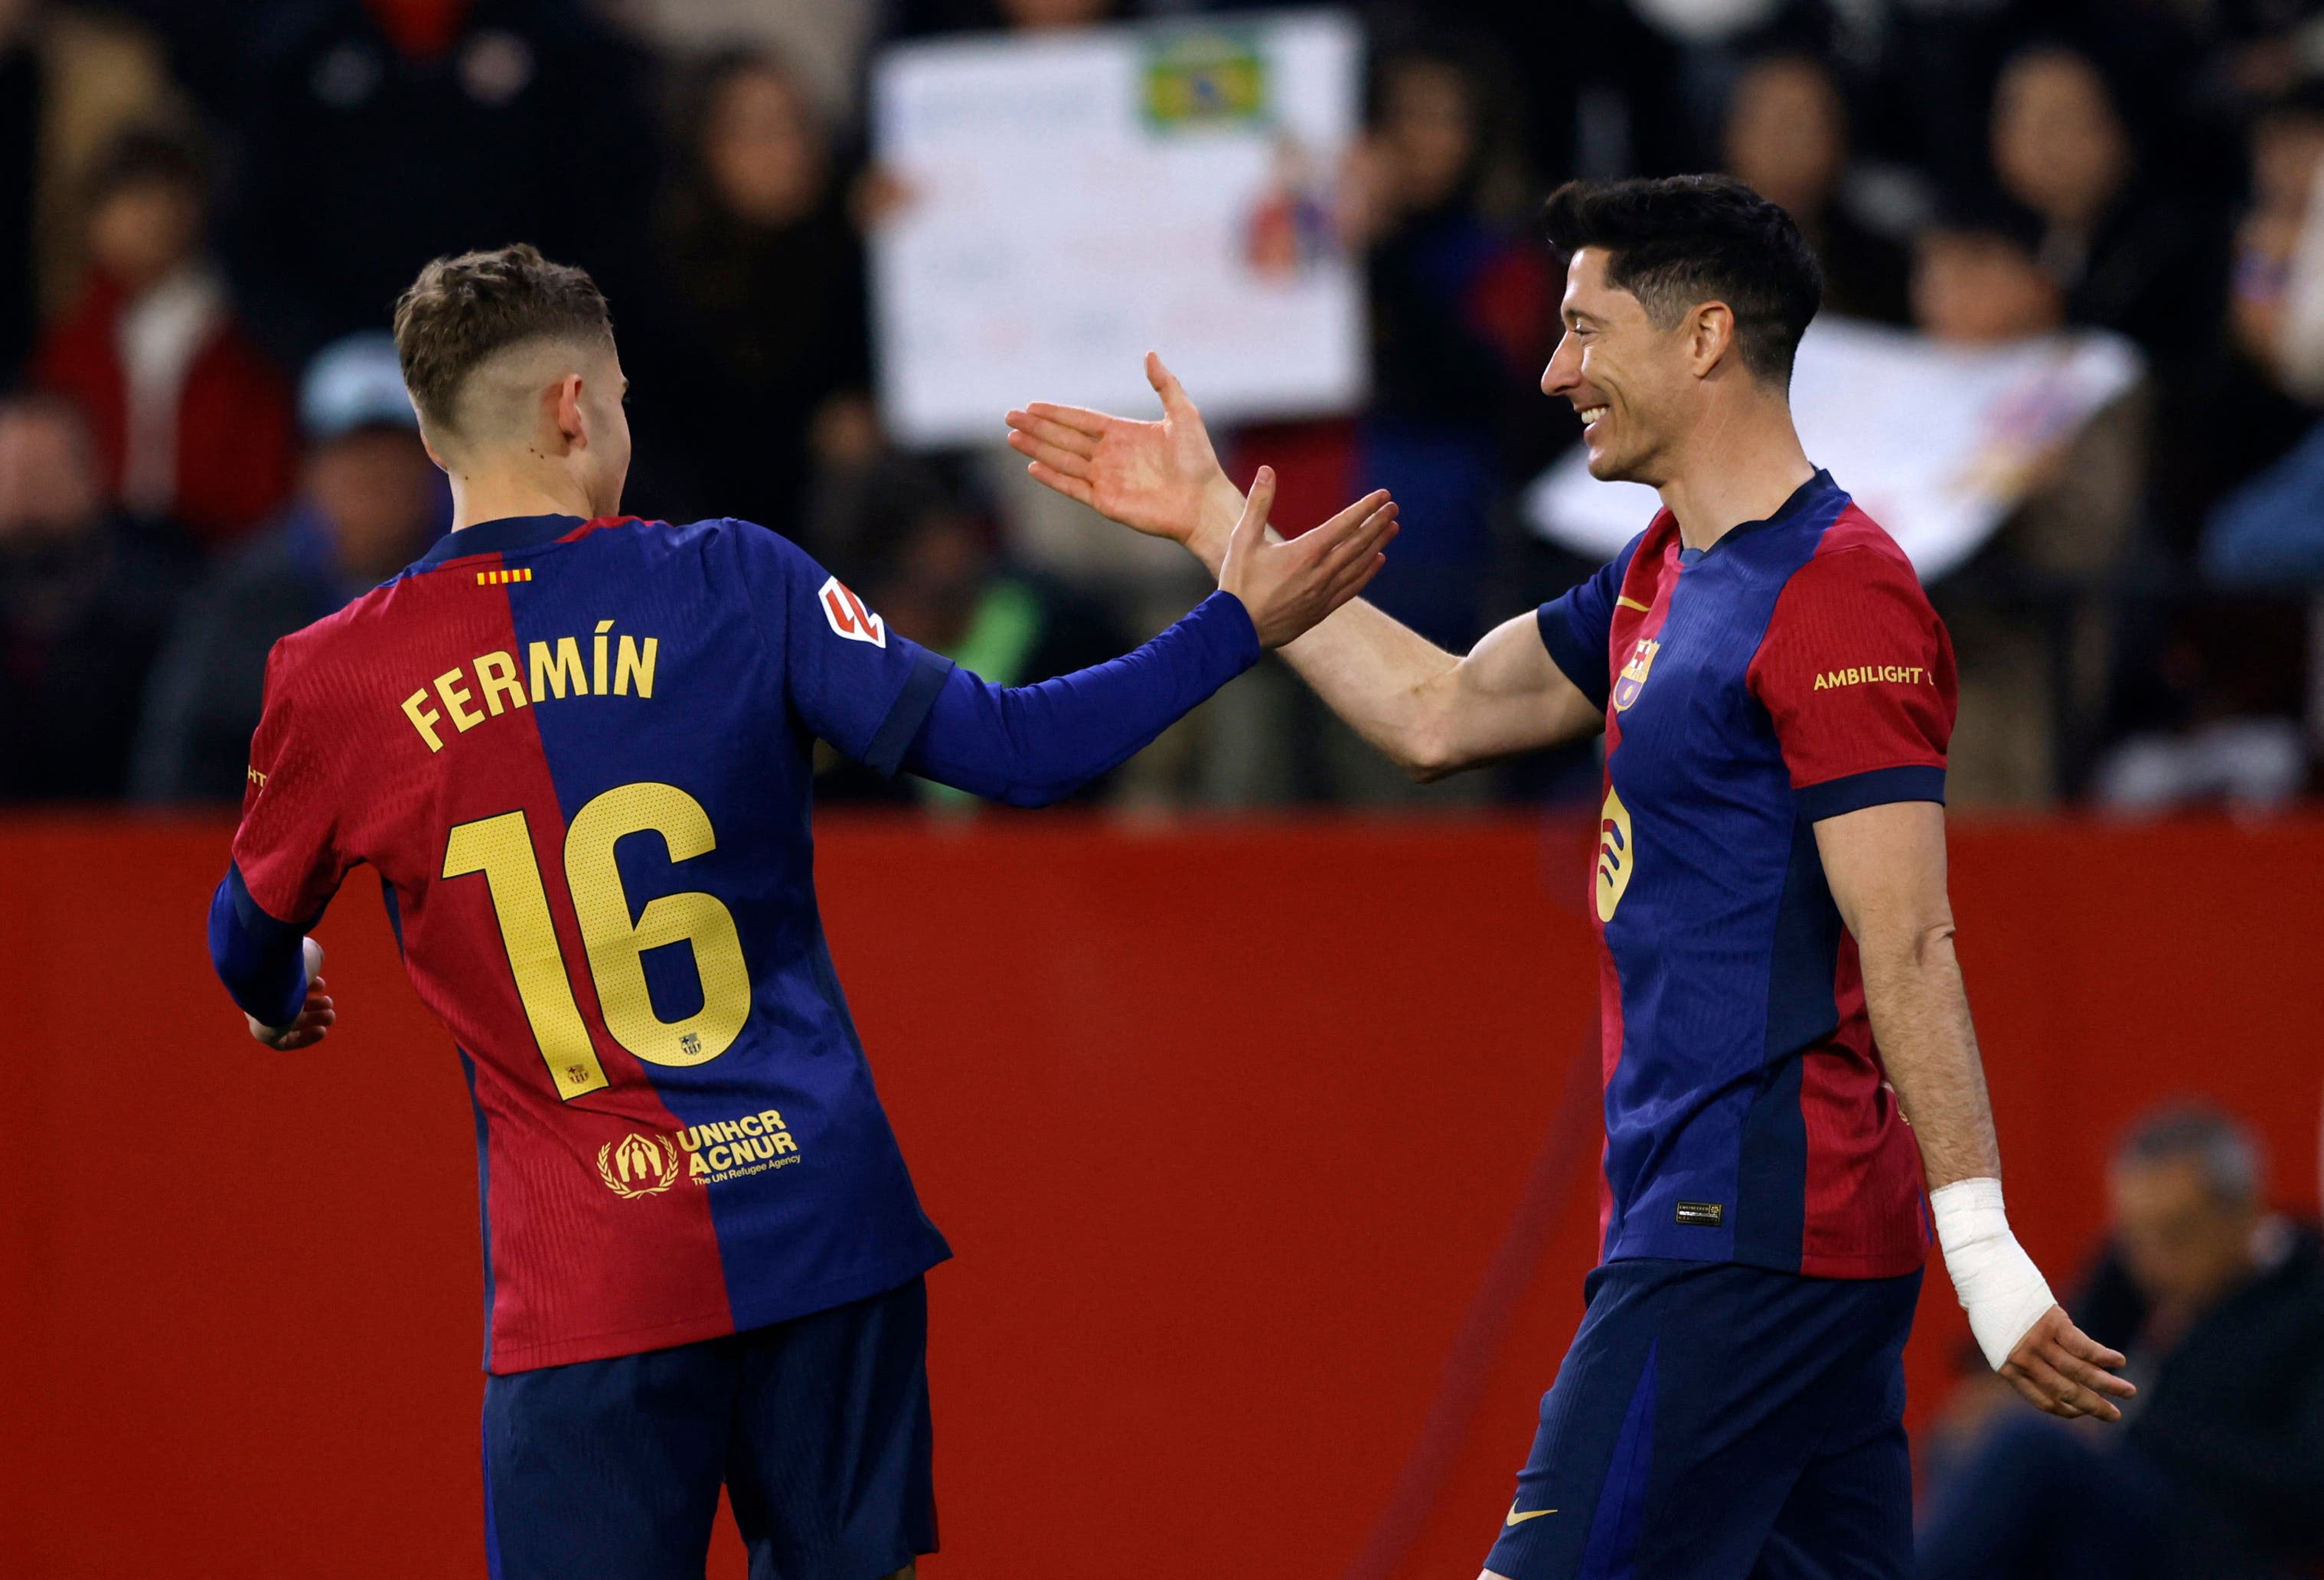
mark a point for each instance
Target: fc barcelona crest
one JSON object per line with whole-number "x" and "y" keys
{"x": 1633, "y": 677}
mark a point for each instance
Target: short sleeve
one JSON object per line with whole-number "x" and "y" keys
{"x": 1857, "y": 673}
{"x": 852, "y": 680}
{"x": 286, "y": 850}
{"x": 1577, "y": 626}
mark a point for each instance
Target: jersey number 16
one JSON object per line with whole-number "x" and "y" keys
{"x": 501, "y": 847}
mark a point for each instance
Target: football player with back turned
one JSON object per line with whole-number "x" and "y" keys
{"x": 577, "y": 747}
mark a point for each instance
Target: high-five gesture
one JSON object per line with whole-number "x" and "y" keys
{"x": 1161, "y": 479}
{"x": 1287, "y": 587}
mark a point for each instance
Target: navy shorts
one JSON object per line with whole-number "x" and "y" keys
{"x": 1719, "y": 1422}
{"x": 819, "y": 1428}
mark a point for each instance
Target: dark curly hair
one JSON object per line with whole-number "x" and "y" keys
{"x": 1679, "y": 241}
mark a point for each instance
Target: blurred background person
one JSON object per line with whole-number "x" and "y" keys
{"x": 375, "y": 134}
{"x": 1464, "y": 314}
{"x": 756, "y": 348}
{"x": 192, "y": 421}
{"x": 370, "y": 502}
{"x": 2128, "y": 255}
{"x": 2032, "y": 614}
{"x": 84, "y": 601}
{"x": 71, "y": 82}
{"x": 2217, "y": 1469}
{"x": 1786, "y": 135}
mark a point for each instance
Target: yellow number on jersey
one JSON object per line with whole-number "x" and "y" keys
{"x": 501, "y": 847}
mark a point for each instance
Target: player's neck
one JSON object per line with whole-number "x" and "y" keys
{"x": 492, "y": 496}
{"x": 1741, "y": 468}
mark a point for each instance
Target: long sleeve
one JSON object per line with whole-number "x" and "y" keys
{"x": 1030, "y": 745}
{"x": 260, "y": 960}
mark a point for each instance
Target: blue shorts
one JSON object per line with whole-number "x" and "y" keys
{"x": 819, "y": 1428}
{"x": 1719, "y": 1422}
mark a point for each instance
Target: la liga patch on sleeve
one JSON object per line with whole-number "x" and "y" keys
{"x": 848, "y": 617}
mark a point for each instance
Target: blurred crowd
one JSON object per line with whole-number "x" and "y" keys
{"x": 2217, "y": 1469}
{"x": 210, "y": 205}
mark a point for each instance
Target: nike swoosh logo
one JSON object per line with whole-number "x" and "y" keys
{"x": 1516, "y": 1518}
{"x": 1627, "y": 602}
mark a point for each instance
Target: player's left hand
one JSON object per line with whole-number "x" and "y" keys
{"x": 2059, "y": 1368}
{"x": 314, "y": 1017}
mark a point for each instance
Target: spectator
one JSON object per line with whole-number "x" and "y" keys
{"x": 1787, "y": 136}
{"x": 192, "y": 422}
{"x": 83, "y": 604}
{"x": 2127, "y": 257}
{"x": 1978, "y": 278}
{"x": 2217, "y": 1469}
{"x": 1463, "y": 319}
{"x": 2034, "y": 615}
{"x": 759, "y": 354}
{"x": 370, "y": 502}
{"x": 69, "y": 83}
{"x": 380, "y": 134}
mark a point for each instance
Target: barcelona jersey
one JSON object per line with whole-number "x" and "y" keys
{"x": 578, "y": 756}
{"x": 1792, "y": 672}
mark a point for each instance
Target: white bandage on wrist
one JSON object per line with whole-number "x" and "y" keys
{"x": 1999, "y": 1286}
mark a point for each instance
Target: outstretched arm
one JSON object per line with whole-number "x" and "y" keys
{"x": 1032, "y": 745}
{"x": 1432, "y": 712}
{"x": 1886, "y": 864}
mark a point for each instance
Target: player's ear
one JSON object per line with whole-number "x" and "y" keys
{"x": 572, "y": 426}
{"x": 1710, "y": 335}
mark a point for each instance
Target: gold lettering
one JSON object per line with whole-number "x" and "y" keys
{"x": 695, "y": 1164}
{"x": 495, "y": 674}
{"x": 456, "y": 697}
{"x": 773, "y": 1119}
{"x": 750, "y": 1125}
{"x": 424, "y": 718}
{"x": 553, "y": 672}
{"x": 717, "y": 1158}
{"x": 783, "y": 1142}
{"x": 603, "y": 627}
{"x": 629, "y": 662}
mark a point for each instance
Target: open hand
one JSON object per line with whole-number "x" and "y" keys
{"x": 2060, "y": 1369}
{"x": 314, "y": 1017}
{"x": 1162, "y": 478}
{"x": 1287, "y": 587}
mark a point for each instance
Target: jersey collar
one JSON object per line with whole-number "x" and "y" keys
{"x": 1817, "y": 490}
{"x": 497, "y": 537}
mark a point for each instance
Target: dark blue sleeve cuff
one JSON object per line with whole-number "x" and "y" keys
{"x": 907, "y": 713}
{"x": 1855, "y": 791}
{"x": 262, "y": 960}
{"x": 1585, "y": 670}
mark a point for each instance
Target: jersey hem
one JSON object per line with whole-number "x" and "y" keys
{"x": 505, "y": 1358}
{"x": 1871, "y": 1265}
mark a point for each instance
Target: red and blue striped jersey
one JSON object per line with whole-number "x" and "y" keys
{"x": 1794, "y": 671}
{"x": 579, "y": 756}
